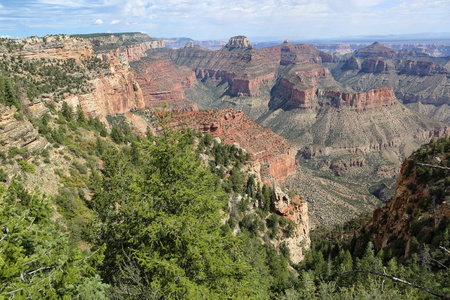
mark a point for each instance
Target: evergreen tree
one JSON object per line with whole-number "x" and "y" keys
{"x": 161, "y": 225}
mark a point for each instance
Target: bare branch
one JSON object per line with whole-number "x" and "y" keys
{"x": 433, "y": 292}
{"x": 432, "y": 166}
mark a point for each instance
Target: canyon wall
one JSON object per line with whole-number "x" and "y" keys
{"x": 275, "y": 154}
{"x": 55, "y": 47}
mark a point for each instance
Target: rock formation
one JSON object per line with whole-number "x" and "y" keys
{"x": 414, "y": 77}
{"x": 275, "y": 154}
{"x": 238, "y": 42}
{"x": 55, "y": 47}
{"x": 113, "y": 93}
{"x": 295, "y": 210}
{"x": 163, "y": 84}
{"x": 17, "y": 131}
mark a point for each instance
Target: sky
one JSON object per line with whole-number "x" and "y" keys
{"x": 221, "y": 19}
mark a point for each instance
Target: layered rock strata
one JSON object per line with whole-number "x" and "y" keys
{"x": 113, "y": 93}
{"x": 17, "y": 131}
{"x": 275, "y": 154}
{"x": 55, "y": 47}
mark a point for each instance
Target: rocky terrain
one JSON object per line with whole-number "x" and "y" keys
{"x": 419, "y": 210}
{"x": 275, "y": 155}
{"x": 292, "y": 90}
{"x": 340, "y": 113}
{"x": 415, "y": 77}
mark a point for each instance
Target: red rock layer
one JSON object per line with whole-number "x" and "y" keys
{"x": 163, "y": 84}
{"x": 276, "y": 155}
{"x": 393, "y": 219}
{"x": 114, "y": 93}
{"x": 308, "y": 98}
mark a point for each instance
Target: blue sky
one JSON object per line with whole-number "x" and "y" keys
{"x": 220, "y": 19}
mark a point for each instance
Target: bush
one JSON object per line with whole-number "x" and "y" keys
{"x": 26, "y": 166}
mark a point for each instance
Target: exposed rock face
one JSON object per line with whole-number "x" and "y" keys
{"x": 375, "y": 66}
{"x": 275, "y": 154}
{"x": 55, "y": 47}
{"x": 134, "y": 45}
{"x": 409, "y": 206}
{"x": 295, "y": 210}
{"x": 163, "y": 84}
{"x": 415, "y": 77}
{"x": 240, "y": 42}
{"x": 314, "y": 98}
{"x": 189, "y": 44}
{"x": 421, "y": 68}
{"x": 17, "y": 131}
{"x": 114, "y": 93}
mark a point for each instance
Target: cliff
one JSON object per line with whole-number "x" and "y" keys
{"x": 296, "y": 211}
{"x": 276, "y": 155}
{"x": 292, "y": 95}
{"x": 419, "y": 210}
{"x": 55, "y": 47}
{"x": 163, "y": 84}
{"x": 414, "y": 76}
{"x": 112, "y": 93}
{"x": 17, "y": 131}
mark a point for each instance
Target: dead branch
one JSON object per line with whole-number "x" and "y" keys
{"x": 433, "y": 292}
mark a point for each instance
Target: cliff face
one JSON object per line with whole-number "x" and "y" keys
{"x": 418, "y": 210}
{"x": 275, "y": 154}
{"x": 163, "y": 84}
{"x": 55, "y": 47}
{"x": 415, "y": 77}
{"x": 295, "y": 210}
{"x": 17, "y": 131}
{"x": 313, "y": 98}
{"x": 113, "y": 93}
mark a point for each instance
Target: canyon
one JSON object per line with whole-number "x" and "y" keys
{"x": 342, "y": 117}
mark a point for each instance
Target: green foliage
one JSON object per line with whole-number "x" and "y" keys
{"x": 161, "y": 225}
{"x": 7, "y": 93}
{"x": 35, "y": 258}
{"x": 26, "y": 166}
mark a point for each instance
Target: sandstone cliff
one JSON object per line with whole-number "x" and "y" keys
{"x": 415, "y": 77}
{"x": 276, "y": 155}
{"x": 55, "y": 47}
{"x": 113, "y": 93}
{"x": 163, "y": 84}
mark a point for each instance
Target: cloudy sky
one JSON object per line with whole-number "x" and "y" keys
{"x": 221, "y": 19}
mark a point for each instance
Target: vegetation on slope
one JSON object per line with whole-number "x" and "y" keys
{"x": 415, "y": 226}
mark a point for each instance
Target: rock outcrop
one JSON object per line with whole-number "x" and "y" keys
{"x": 414, "y": 76}
{"x": 113, "y": 93}
{"x": 238, "y": 42}
{"x": 55, "y": 47}
{"x": 375, "y": 50}
{"x": 163, "y": 85}
{"x": 275, "y": 154}
{"x": 17, "y": 131}
{"x": 315, "y": 98}
{"x": 418, "y": 208}
{"x": 295, "y": 210}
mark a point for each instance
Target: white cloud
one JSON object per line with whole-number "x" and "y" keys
{"x": 98, "y": 21}
{"x": 113, "y": 22}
